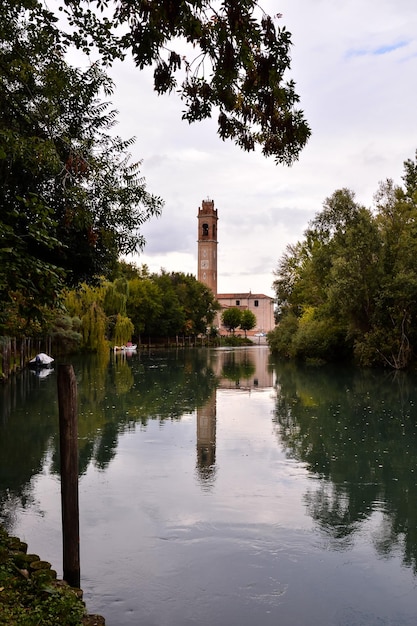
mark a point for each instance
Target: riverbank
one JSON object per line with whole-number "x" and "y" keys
{"x": 31, "y": 595}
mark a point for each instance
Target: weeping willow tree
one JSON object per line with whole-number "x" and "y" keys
{"x": 115, "y": 298}
{"x": 93, "y": 325}
{"x": 123, "y": 330}
{"x": 102, "y": 311}
{"x": 86, "y": 305}
{"x": 78, "y": 301}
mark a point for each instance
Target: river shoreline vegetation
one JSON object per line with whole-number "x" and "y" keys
{"x": 347, "y": 291}
{"x": 31, "y": 595}
{"x": 136, "y": 305}
{"x": 149, "y": 308}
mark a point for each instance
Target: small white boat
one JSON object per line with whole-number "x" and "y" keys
{"x": 41, "y": 360}
{"x": 132, "y": 347}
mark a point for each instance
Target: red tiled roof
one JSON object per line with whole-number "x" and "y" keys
{"x": 242, "y": 296}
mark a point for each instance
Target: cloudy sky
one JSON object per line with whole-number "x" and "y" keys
{"x": 355, "y": 67}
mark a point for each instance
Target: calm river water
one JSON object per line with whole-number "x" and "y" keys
{"x": 220, "y": 488}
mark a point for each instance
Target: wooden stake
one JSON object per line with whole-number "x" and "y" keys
{"x": 68, "y": 437}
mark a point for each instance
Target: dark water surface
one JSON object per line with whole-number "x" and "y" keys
{"x": 220, "y": 488}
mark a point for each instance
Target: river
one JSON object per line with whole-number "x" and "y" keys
{"x": 221, "y": 487}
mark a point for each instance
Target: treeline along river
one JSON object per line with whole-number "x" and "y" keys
{"x": 221, "y": 487}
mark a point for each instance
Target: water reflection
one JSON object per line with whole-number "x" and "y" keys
{"x": 242, "y": 369}
{"x": 27, "y": 426}
{"x": 117, "y": 394}
{"x": 265, "y": 472}
{"x": 206, "y": 441}
{"x": 356, "y": 431}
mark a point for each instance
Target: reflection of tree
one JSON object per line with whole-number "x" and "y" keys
{"x": 26, "y": 427}
{"x": 106, "y": 448}
{"x": 356, "y": 430}
{"x": 237, "y": 366}
{"x": 336, "y": 515}
{"x": 161, "y": 386}
{"x": 123, "y": 380}
{"x": 114, "y": 395}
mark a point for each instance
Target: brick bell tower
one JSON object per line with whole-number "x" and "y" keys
{"x": 207, "y": 245}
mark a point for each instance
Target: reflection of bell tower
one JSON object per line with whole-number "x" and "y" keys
{"x": 207, "y": 245}
{"x": 206, "y": 439}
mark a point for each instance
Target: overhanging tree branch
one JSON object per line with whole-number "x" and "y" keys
{"x": 239, "y": 68}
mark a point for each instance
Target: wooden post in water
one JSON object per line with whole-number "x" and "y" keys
{"x": 68, "y": 435}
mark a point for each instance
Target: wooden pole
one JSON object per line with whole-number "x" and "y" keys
{"x": 68, "y": 437}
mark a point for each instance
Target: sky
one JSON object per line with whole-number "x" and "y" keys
{"x": 355, "y": 68}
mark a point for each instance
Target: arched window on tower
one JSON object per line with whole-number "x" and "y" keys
{"x": 214, "y": 231}
{"x": 205, "y": 230}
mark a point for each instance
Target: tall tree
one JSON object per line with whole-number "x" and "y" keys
{"x": 188, "y": 306}
{"x": 393, "y": 337}
{"x": 144, "y": 304}
{"x": 198, "y": 302}
{"x": 172, "y": 318}
{"x": 356, "y": 272}
{"x": 71, "y": 199}
{"x": 350, "y": 287}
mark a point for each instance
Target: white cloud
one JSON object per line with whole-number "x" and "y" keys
{"x": 354, "y": 65}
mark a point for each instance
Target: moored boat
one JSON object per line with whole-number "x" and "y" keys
{"x": 41, "y": 360}
{"x": 129, "y": 347}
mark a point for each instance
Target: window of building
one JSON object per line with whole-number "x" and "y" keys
{"x": 256, "y": 303}
{"x": 237, "y": 302}
{"x": 205, "y": 230}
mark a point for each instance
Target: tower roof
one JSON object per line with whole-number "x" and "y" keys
{"x": 243, "y": 296}
{"x": 207, "y": 208}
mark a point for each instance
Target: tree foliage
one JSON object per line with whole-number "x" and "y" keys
{"x": 161, "y": 305}
{"x": 247, "y": 320}
{"x": 349, "y": 288}
{"x": 232, "y": 57}
{"x": 71, "y": 199}
{"x": 144, "y": 306}
{"x": 123, "y": 330}
{"x": 231, "y": 318}
{"x": 188, "y": 307}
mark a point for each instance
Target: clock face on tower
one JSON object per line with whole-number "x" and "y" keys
{"x": 204, "y": 264}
